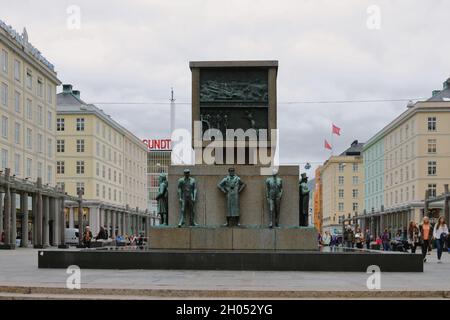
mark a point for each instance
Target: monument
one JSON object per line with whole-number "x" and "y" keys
{"x": 237, "y": 197}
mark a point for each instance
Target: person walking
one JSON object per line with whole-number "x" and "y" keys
{"x": 359, "y": 238}
{"x": 440, "y": 234}
{"x": 349, "y": 237}
{"x": 367, "y": 239}
{"x": 413, "y": 236}
{"x": 426, "y": 233}
{"x": 326, "y": 240}
{"x": 386, "y": 240}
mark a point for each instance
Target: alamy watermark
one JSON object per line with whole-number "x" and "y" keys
{"x": 373, "y": 282}
{"x": 251, "y": 146}
{"x": 74, "y": 279}
{"x": 73, "y": 21}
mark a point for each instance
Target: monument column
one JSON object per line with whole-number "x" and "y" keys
{"x": 24, "y": 211}
{"x": 100, "y": 217}
{"x": 13, "y": 218}
{"x": 7, "y": 210}
{"x": 80, "y": 217}
{"x": 45, "y": 228}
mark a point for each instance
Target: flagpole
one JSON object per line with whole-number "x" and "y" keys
{"x": 332, "y": 140}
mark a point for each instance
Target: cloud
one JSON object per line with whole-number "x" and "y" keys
{"x": 137, "y": 50}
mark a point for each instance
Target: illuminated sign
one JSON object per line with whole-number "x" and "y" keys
{"x": 158, "y": 144}
{"x": 22, "y": 40}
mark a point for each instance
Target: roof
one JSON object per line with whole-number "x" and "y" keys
{"x": 354, "y": 150}
{"x": 231, "y": 64}
{"x": 442, "y": 95}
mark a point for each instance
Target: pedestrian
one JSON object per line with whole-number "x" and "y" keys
{"x": 440, "y": 234}
{"x": 87, "y": 237}
{"x": 426, "y": 233}
{"x": 349, "y": 237}
{"x": 368, "y": 238}
{"x": 385, "y": 240}
{"x": 413, "y": 236}
{"x": 359, "y": 238}
{"x": 101, "y": 234}
{"x": 333, "y": 242}
{"x": 326, "y": 240}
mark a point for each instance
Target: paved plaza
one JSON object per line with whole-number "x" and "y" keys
{"x": 20, "y": 277}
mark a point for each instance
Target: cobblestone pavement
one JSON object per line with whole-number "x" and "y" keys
{"x": 19, "y": 268}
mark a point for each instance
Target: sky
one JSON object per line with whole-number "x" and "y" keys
{"x": 121, "y": 52}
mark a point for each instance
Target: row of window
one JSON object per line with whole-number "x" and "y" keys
{"x": 355, "y": 180}
{"x": 28, "y": 137}
{"x": 28, "y": 166}
{"x": 403, "y": 133}
{"x": 28, "y": 107}
{"x": 355, "y": 207}
{"x": 355, "y": 193}
{"x": 61, "y": 125}
{"x": 341, "y": 167}
{"x": 4, "y": 61}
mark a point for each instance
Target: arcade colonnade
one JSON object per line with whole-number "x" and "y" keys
{"x": 35, "y": 214}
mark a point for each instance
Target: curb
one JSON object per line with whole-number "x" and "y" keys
{"x": 238, "y": 294}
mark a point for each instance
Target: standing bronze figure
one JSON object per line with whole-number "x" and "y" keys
{"x": 274, "y": 192}
{"x": 163, "y": 199}
{"x": 231, "y": 186}
{"x": 304, "y": 200}
{"x": 187, "y": 195}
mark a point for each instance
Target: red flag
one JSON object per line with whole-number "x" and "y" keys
{"x": 327, "y": 145}
{"x": 336, "y": 130}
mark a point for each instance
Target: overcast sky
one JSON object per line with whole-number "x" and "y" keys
{"x": 136, "y": 50}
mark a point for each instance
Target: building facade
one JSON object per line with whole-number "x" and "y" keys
{"x": 317, "y": 209}
{"x": 158, "y": 161}
{"x": 416, "y": 163}
{"x": 28, "y": 84}
{"x": 27, "y": 109}
{"x": 101, "y": 159}
{"x": 374, "y": 173}
{"x": 342, "y": 187}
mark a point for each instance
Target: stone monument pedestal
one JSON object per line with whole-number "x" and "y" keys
{"x": 236, "y": 238}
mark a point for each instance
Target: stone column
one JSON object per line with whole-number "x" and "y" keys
{"x": 108, "y": 222}
{"x": 54, "y": 216}
{"x": 119, "y": 223}
{"x": 24, "y": 211}
{"x": 7, "y": 210}
{"x": 101, "y": 220}
{"x": 46, "y": 220}
{"x": 38, "y": 215}
{"x": 80, "y": 220}
{"x": 71, "y": 218}
{"x": 13, "y": 218}
{"x": 113, "y": 218}
{"x": 62, "y": 224}
{"x": 1, "y": 213}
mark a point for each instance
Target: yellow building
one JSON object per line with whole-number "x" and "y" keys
{"x": 100, "y": 158}
{"x": 342, "y": 187}
{"x": 416, "y": 160}
{"x": 27, "y": 108}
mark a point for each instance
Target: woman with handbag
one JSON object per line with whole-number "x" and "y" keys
{"x": 413, "y": 236}
{"x": 440, "y": 233}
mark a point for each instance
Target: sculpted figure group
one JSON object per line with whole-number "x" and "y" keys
{"x": 231, "y": 185}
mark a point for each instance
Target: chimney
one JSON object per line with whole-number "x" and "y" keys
{"x": 446, "y": 84}
{"x": 436, "y": 92}
{"x": 67, "y": 88}
{"x": 76, "y": 93}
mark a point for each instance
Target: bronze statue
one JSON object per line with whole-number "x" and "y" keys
{"x": 274, "y": 192}
{"x": 304, "y": 200}
{"x": 231, "y": 186}
{"x": 163, "y": 199}
{"x": 187, "y": 195}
